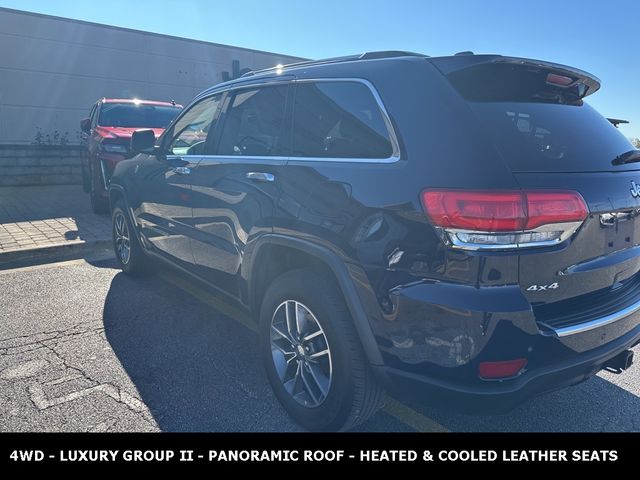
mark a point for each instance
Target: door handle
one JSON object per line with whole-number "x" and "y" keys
{"x": 182, "y": 170}
{"x": 261, "y": 176}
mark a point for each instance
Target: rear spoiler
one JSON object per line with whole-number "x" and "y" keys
{"x": 587, "y": 83}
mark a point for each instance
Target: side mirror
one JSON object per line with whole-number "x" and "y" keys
{"x": 85, "y": 125}
{"x": 142, "y": 141}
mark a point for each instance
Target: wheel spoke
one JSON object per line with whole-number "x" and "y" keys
{"x": 301, "y": 320}
{"x": 290, "y": 385}
{"x": 319, "y": 354}
{"x": 286, "y": 336}
{"x": 307, "y": 385}
{"x": 319, "y": 378}
{"x": 284, "y": 352}
{"x": 291, "y": 320}
{"x": 313, "y": 335}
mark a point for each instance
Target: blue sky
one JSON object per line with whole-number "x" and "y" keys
{"x": 600, "y": 37}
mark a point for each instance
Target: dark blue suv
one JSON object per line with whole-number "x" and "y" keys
{"x": 463, "y": 226}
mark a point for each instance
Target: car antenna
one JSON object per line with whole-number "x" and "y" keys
{"x": 173, "y": 102}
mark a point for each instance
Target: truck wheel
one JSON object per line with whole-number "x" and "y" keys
{"x": 312, "y": 354}
{"x": 86, "y": 179}
{"x": 98, "y": 204}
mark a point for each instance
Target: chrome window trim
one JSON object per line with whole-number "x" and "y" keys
{"x": 395, "y": 145}
{"x": 242, "y": 86}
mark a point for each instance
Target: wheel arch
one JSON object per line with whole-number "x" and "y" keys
{"x": 118, "y": 193}
{"x": 299, "y": 253}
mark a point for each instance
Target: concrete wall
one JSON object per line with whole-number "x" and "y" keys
{"x": 53, "y": 69}
{"x": 40, "y": 165}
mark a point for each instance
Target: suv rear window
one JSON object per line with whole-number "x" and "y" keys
{"x": 338, "y": 120}
{"x": 538, "y": 127}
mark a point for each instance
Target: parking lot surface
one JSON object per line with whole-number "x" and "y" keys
{"x": 83, "y": 347}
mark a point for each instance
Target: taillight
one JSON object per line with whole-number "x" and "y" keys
{"x": 501, "y": 220}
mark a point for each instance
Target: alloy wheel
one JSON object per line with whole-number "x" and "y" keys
{"x": 301, "y": 353}
{"x": 122, "y": 238}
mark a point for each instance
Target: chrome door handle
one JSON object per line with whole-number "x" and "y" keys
{"x": 182, "y": 170}
{"x": 261, "y": 176}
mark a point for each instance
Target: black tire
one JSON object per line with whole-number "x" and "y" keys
{"x": 86, "y": 179}
{"x": 136, "y": 263}
{"x": 353, "y": 394}
{"x": 98, "y": 203}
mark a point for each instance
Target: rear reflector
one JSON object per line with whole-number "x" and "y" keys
{"x": 506, "y": 369}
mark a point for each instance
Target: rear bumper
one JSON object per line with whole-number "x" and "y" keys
{"x": 502, "y": 396}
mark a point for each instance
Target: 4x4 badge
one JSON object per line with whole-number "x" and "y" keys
{"x": 635, "y": 189}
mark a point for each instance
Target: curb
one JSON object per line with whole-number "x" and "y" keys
{"x": 73, "y": 249}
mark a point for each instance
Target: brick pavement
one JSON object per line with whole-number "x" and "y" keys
{"x": 47, "y": 216}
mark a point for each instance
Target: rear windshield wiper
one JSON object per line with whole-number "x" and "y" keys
{"x": 628, "y": 157}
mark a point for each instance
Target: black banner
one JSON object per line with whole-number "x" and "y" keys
{"x": 314, "y": 449}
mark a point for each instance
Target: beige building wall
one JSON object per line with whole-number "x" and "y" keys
{"x": 53, "y": 69}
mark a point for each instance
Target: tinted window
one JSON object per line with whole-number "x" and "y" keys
{"x": 190, "y": 132}
{"x": 131, "y": 115}
{"x": 537, "y": 137}
{"x": 254, "y": 122}
{"x": 338, "y": 120}
{"x": 538, "y": 126}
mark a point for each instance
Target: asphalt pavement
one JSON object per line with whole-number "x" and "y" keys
{"x": 84, "y": 347}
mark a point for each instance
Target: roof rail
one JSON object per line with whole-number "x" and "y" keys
{"x": 347, "y": 58}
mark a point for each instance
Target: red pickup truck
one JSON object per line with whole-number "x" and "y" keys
{"x": 107, "y": 133}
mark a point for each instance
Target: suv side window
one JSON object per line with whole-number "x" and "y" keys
{"x": 254, "y": 122}
{"x": 338, "y": 119}
{"x": 189, "y": 133}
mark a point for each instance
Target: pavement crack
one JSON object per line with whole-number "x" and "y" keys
{"x": 22, "y": 341}
{"x": 42, "y": 402}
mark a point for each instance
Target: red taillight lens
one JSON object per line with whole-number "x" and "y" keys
{"x": 544, "y": 208}
{"x": 502, "y": 211}
{"x": 506, "y": 369}
{"x": 555, "y": 79}
{"x": 480, "y": 211}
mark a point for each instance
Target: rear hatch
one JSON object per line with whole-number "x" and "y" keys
{"x": 535, "y": 115}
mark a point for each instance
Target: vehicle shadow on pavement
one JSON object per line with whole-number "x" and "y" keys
{"x": 596, "y": 405}
{"x": 194, "y": 368}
